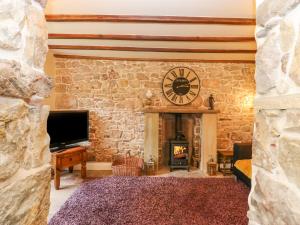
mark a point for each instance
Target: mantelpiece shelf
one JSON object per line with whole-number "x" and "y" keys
{"x": 178, "y": 109}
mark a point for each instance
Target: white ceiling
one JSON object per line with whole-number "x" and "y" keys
{"x": 194, "y": 8}
{"x": 205, "y": 8}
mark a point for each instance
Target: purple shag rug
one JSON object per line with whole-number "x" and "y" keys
{"x": 156, "y": 201}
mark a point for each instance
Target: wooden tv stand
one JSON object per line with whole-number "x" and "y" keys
{"x": 67, "y": 159}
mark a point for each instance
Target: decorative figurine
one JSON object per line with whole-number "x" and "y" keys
{"x": 211, "y": 102}
{"x": 151, "y": 160}
{"x": 148, "y": 96}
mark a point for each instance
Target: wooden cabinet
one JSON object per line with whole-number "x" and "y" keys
{"x": 68, "y": 159}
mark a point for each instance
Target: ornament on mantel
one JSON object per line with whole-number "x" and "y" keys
{"x": 150, "y": 166}
{"x": 211, "y": 102}
{"x": 149, "y": 96}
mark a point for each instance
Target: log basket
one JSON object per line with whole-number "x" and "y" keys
{"x": 127, "y": 165}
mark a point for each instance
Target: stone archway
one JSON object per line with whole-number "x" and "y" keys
{"x": 24, "y": 142}
{"x": 275, "y": 194}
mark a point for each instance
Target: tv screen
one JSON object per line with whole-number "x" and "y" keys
{"x": 67, "y": 127}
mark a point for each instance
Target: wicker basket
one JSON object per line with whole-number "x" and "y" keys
{"x": 127, "y": 165}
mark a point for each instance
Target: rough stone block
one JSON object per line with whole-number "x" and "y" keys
{"x": 295, "y": 67}
{"x": 25, "y": 197}
{"x": 37, "y": 151}
{"x": 265, "y": 144}
{"x": 273, "y": 201}
{"x": 289, "y": 157}
{"x": 21, "y": 81}
{"x": 36, "y": 46}
{"x": 270, "y": 9}
{"x": 292, "y": 122}
{"x": 288, "y": 34}
{"x": 12, "y": 15}
{"x": 290, "y": 101}
{"x": 14, "y": 130}
{"x": 24, "y": 142}
{"x": 268, "y": 62}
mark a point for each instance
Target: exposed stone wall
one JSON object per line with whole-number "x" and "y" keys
{"x": 24, "y": 142}
{"x": 114, "y": 92}
{"x": 275, "y": 194}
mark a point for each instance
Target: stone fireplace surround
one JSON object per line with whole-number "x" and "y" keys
{"x": 208, "y": 137}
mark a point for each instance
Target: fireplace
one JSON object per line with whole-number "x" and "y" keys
{"x": 159, "y": 132}
{"x": 179, "y": 147}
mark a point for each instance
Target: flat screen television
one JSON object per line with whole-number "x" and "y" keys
{"x": 66, "y": 128}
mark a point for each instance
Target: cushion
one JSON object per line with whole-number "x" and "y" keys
{"x": 244, "y": 166}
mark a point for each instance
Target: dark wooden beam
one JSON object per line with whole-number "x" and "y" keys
{"x": 151, "y": 59}
{"x": 149, "y": 19}
{"x": 146, "y": 49}
{"x": 149, "y": 37}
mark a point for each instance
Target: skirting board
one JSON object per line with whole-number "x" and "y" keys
{"x": 95, "y": 166}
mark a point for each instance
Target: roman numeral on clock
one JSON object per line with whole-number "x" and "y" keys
{"x": 169, "y": 92}
{"x": 170, "y": 79}
{"x": 180, "y": 99}
{"x": 194, "y": 86}
{"x": 188, "y": 75}
{"x": 174, "y": 74}
{"x": 168, "y": 85}
{"x": 192, "y": 93}
{"x": 174, "y": 98}
{"x": 193, "y": 79}
{"x": 181, "y": 72}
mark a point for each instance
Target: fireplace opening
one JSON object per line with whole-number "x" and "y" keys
{"x": 179, "y": 147}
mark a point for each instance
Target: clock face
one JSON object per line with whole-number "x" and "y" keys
{"x": 181, "y": 85}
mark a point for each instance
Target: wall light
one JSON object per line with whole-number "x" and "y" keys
{"x": 248, "y": 101}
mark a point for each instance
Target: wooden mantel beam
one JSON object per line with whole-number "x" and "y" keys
{"x": 147, "y": 49}
{"x": 151, "y": 59}
{"x": 149, "y": 19}
{"x": 149, "y": 37}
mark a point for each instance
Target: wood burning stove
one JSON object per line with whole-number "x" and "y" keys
{"x": 179, "y": 148}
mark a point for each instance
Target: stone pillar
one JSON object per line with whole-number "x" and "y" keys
{"x": 208, "y": 139}
{"x": 275, "y": 193}
{"x": 151, "y": 137}
{"x": 24, "y": 142}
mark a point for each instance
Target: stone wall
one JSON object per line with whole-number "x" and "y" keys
{"x": 114, "y": 92}
{"x": 24, "y": 142}
{"x": 275, "y": 193}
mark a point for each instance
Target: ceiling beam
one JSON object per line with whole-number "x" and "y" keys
{"x": 146, "y": 49}
{"x": 149, "y": 19}
{"x": 152, "y": 59}
{"x": 149, "y": 37}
